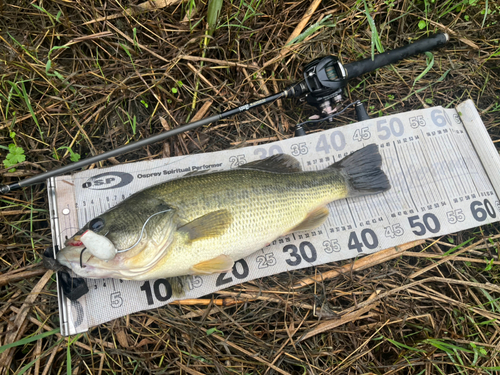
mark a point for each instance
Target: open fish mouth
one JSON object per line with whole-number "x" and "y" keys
{"x": 129, "y": 265}
{"x": 80, "y": 261}
{"x": 72, "y": 246}
{"x": 74, "y": 241}
{"x": 73, "y": 254}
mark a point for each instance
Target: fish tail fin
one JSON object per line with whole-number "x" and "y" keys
{"x": 363, "y": 173}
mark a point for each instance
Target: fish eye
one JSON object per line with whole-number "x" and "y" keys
{"x": 96, "y": 224}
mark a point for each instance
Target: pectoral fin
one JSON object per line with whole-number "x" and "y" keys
{"x": 313, "y": 220}
{"x": 222, "y": 263}
{"x": 178, "y": 285}
{"x": 210, "y": 225}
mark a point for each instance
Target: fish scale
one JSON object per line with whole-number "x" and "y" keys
{"x": 277, "y": 203}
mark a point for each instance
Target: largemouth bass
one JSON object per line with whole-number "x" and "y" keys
{"x": 203, "y": 223}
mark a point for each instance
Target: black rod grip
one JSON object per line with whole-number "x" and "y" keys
{"x": 358, "y": 68}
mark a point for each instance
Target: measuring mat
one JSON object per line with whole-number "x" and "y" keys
{"x": 442, "y": 165}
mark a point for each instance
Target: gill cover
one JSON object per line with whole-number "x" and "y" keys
{"x": 140, "y": 217}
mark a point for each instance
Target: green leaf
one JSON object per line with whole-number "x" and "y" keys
{"x": 48, "y": 66}
{"x": 59, "y": 75}
{"x": 15, "y": 156}
{"x": 486, "y": 12}
{"x": 74, "y": 157}
{"x": 28, "y": 340}
{"x": 311, "y": 30}
{"x": 214, "y": 7}
{"x": 458, "y": 247}
{"x": 446, "y": 347}
{"x": 55, "y": 48}
{"x": 430, "y": 64}
{"x": 489, "y": 266}
{"x": 422, "y": 24}
{"x": 26, "y": 98}
{"x": 440, "y": 79}
{"x": 212, "y": 330}
{"x": 174, "y": 90}
{"x": 401, "y": 345}
{"x": 375, "y": 38}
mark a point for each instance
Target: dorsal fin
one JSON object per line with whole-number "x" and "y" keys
{"x": 197, "y": 173}
{"x": 281, "y": 163}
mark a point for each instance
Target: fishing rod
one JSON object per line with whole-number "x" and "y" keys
{"x": 323, "y": 83}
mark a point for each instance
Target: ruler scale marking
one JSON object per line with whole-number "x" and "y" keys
{"x": 435, "y": 185}
{"x": 478, "y": 174}
{"x": 459, "y": 153}
{"x": 405, "y": 180}
{"x": 461, "y": 169}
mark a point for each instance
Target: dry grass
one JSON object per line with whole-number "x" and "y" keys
{"x": 409, "y": 315}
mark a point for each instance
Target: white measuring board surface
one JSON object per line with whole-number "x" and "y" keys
{"x": 440, "y": 185}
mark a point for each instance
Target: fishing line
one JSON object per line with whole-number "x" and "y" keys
{"x": 142, "y": 231}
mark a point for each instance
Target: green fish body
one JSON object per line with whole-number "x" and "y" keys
{"x": 202, "y": 223}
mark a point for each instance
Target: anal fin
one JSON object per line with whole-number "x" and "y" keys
{"x": 219, "y": 264}
{"x": 313, "y": 220}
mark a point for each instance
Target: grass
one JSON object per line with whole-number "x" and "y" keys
{"x": 28, "y": 340}
{"x": 65, "y": 83}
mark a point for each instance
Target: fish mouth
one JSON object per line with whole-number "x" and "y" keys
{"x": 133, "y": 264}
{"x": 84, "y": 264}
{"x": 80, "y": 262}
{"x": 68, "y": 255}
{"x": 74, "y": 241}
{"x": 72, "y": 247}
